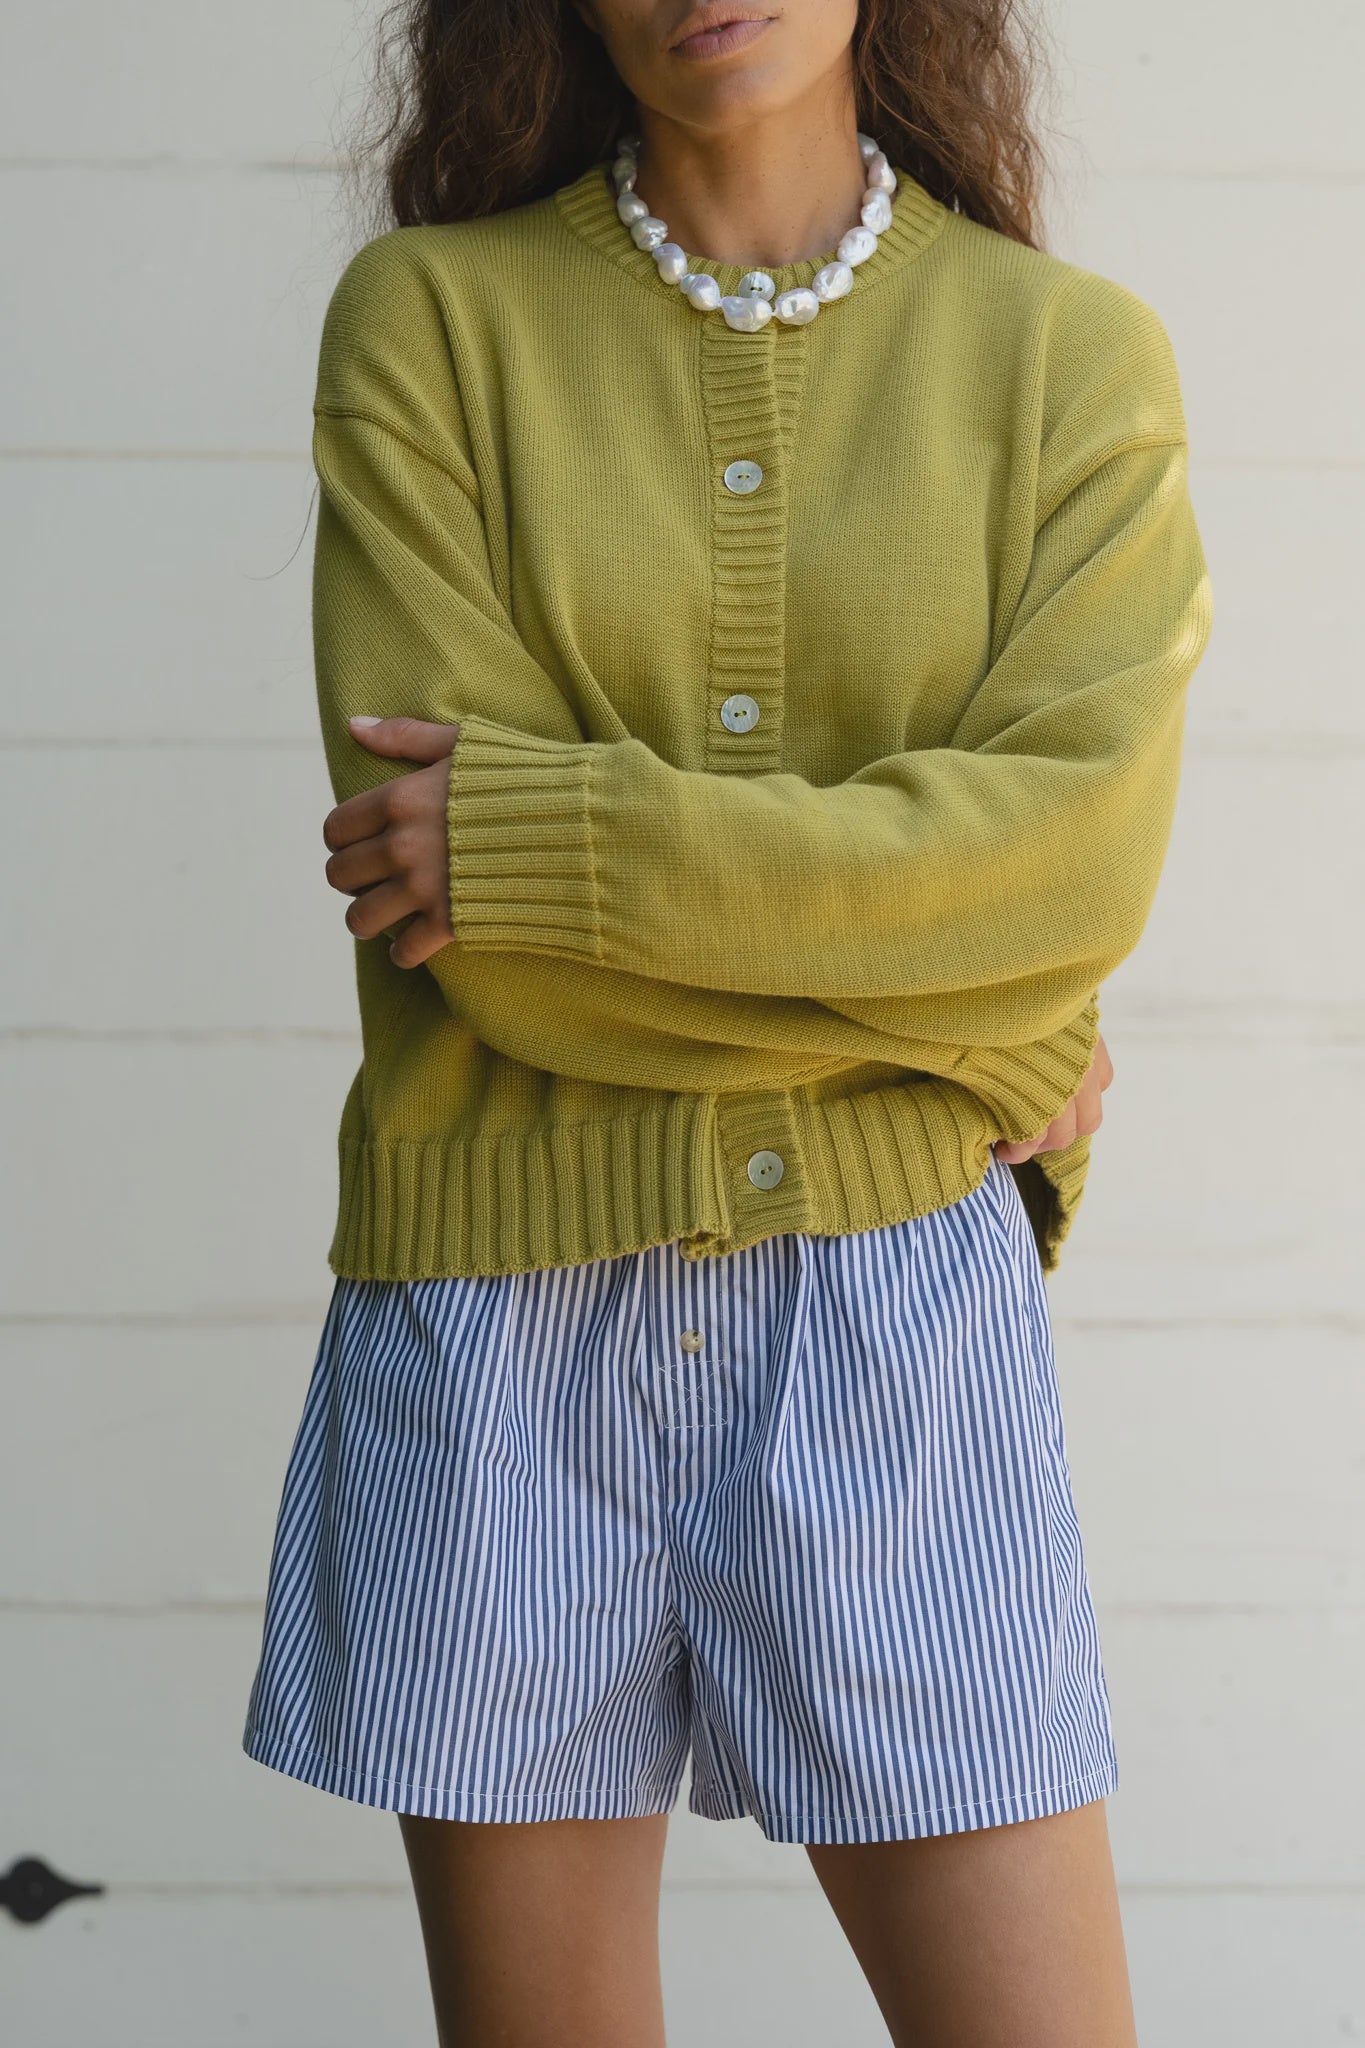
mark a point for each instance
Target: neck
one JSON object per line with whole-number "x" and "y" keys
{"x": 776, "y": 189}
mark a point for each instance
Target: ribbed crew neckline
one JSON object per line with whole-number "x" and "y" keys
{"x": 587, "y": 205}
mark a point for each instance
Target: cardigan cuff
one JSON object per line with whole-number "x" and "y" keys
{"x": 1026, "y": 1086}
{"x": 522, "y": 873}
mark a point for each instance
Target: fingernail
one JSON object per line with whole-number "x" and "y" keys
{"x": 363, "y": 718}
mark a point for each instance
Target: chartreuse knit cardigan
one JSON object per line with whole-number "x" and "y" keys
{"x": 792, "y": 829}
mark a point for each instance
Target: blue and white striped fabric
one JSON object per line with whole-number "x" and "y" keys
{"x": 534, "y": 1552}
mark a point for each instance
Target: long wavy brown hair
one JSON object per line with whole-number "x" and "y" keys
{"x": 484, "y": 104}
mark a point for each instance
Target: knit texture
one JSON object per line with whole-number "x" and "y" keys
{"x": 867, "y": 931}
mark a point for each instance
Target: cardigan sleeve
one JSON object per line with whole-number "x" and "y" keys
{"x": 972, "y": 895}
{"x": 406, "y": 621}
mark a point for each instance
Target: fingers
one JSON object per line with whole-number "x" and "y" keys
{"x": 390, "y": 851}
{"x": 404, "y": 739}
{"x": 1088, "y": 1107}
{"x": 418, "y": 941}
{"x": 377, "y": 908}
{"x": 1058, "y": 1134}
{"x": 1082, "y": 1116}
{"x": 359, "y": 817}
{"x": 360, "y": 866}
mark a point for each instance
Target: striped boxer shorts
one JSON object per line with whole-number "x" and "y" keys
{"x": 798, "y": 1518}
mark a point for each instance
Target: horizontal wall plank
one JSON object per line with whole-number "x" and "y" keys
{"x": 1238, "y": 1737}
{"x": 170, "y": 1179}
{"x": 1255, "y": 390}
{"x": 146, "y": 79}
{"x": 1217, "y": 1466}
{"x": 1284, "y": 548}
{"x": 1220, "y": 89}
{"x": 1224, "y": 1187}
{"x": 150, "y": 1459}
{"x": 1234, "y": 1971}
{"x": 218, "y": 852}
{"x": 193, "y": 619}
{"x": 181, "y": 313}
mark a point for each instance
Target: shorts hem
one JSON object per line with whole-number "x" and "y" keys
{"x": 912, "y": 1824}
{"x": 442, "y": 1802}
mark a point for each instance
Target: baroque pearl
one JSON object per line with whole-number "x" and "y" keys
{"x": 700, "y": 289}
{"x": 672, "y": 261}
{"x": 879, "y": 172}
{"x": 832, "y": 282}
{"x": 857, "y": 245}
{"x": 649, "y": 232}
{"x": 747, "y": 314}
{"x": 876, "y": 210}
{"x": 797, "y": 306}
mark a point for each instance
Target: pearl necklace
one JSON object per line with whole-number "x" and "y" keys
{"x": 756, "y": 299}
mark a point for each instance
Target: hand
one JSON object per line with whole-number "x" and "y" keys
{"x": 1084, "y": 1113}
{"x": 390, "y": 845}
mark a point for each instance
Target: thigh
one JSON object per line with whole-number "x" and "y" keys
{"x": 541, "y": 1934}
{"x": 997, "y": 1937}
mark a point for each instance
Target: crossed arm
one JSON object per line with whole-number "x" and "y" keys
{"x": 389, "y": 851}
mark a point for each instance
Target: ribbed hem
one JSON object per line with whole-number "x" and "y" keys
{"x": 1052, "y": 1184}
{"x": 1026, "y": 1086}
{"x": 587, "y": 206}
{"x": 558, "y": 1196}
{"x": 520, "y": 842}
{"x": 520, "y": 1200}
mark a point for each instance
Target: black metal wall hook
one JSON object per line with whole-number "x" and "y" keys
{"x": 30, "y": 1889}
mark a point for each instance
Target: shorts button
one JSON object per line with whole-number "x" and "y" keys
{"x": 765, "y": 1169}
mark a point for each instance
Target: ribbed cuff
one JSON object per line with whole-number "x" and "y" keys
{"x": 1026, "y": 1086}
{"x": 522, "y": 874}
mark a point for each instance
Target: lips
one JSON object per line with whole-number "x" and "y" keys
{"x": 715, "y": 31}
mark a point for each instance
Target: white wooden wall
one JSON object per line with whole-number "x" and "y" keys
{"x": 178, "y": 1036}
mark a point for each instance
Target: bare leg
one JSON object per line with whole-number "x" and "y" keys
{"x": 541, "y": 1934}
{"x": 1000, "y": 1937}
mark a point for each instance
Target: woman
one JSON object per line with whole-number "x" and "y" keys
{"x": 752, "y": 684}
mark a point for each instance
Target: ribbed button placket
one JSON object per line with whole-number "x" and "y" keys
{"x": 751, "y": 393}
{"x": 767, "y": 1172}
